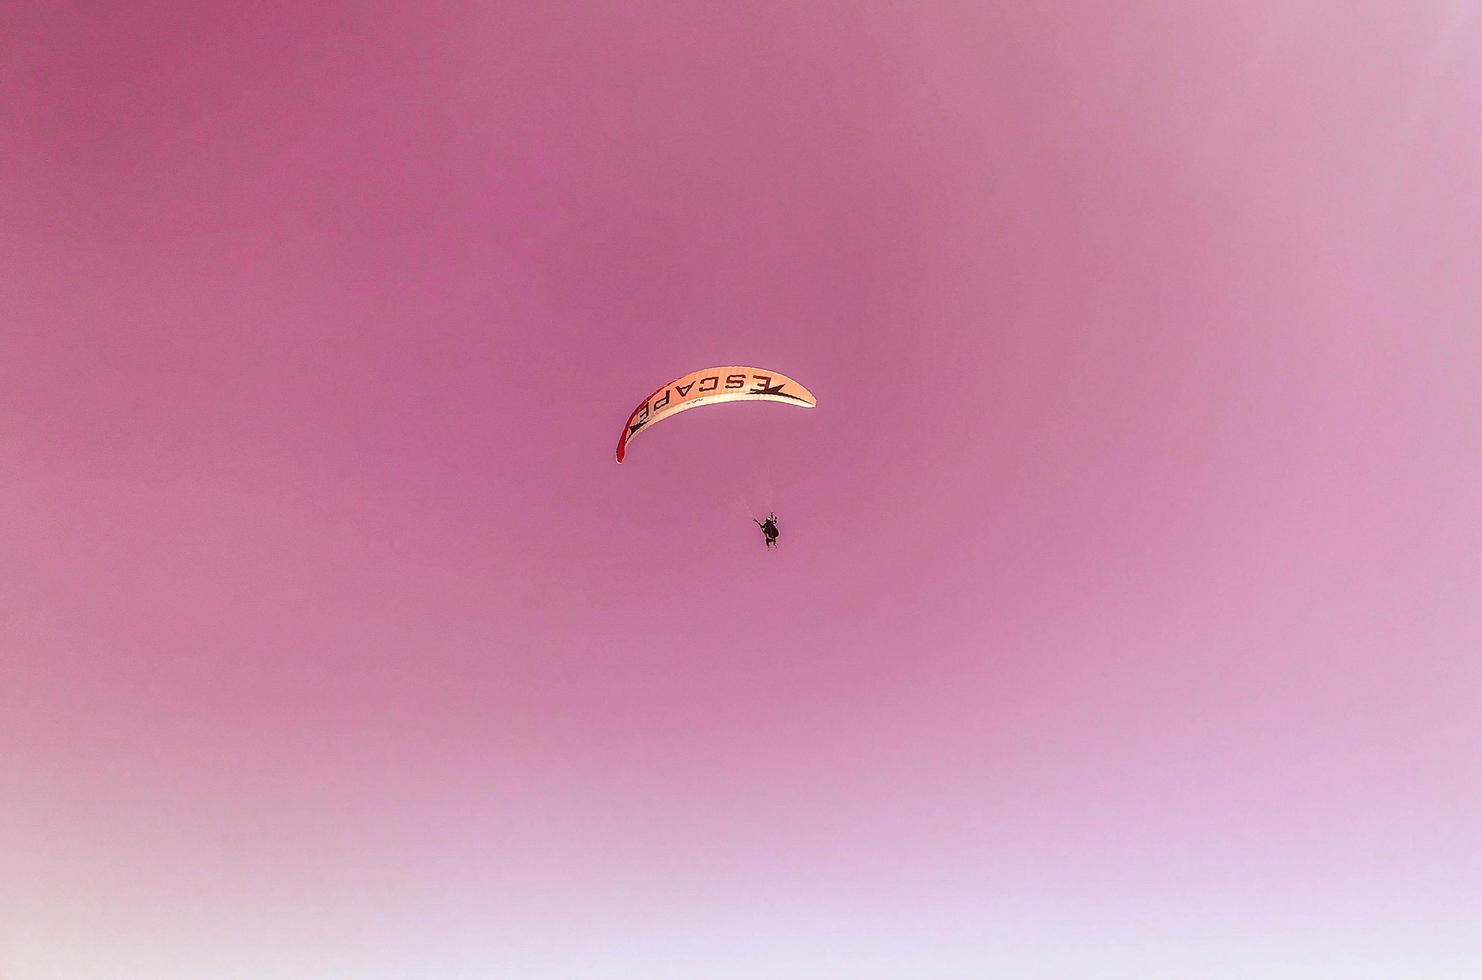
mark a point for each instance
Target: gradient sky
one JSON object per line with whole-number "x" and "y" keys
{"x": 1127, "y": 619}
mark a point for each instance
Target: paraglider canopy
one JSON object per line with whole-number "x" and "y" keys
{"x": 712, "y": 386}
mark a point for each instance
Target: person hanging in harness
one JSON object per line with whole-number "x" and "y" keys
{"x": 769, "y": 529}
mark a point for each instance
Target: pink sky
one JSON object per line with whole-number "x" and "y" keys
{"x": 1127, "y": 619}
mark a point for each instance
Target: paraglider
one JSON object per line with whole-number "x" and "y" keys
{"x": 769, "y": 529}
{"x": 713, "y": 386}
{"x": 709, "y": 387}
